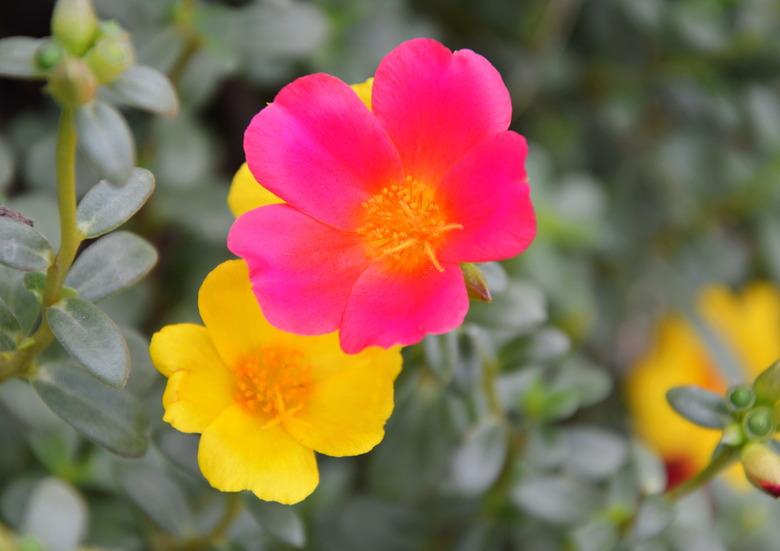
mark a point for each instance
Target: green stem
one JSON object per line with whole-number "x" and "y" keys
{"x": 721, "y": 459}
{"x": 70, "y": 239}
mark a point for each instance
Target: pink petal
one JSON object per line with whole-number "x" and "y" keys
{"x": 436, "y": 104}
{"x": 487, "y": 193}
{"x": 302, "y": 270}
{"x": 388, "y": 307}
{"x": 320, "y": 149}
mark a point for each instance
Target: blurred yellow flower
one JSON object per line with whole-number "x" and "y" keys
{"x": 246, "y": 193}
{"x": 265, "y": 400}
{"x": 748, "y": 323}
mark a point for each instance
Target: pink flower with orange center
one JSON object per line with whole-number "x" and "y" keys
{"x": 382, "y": 205}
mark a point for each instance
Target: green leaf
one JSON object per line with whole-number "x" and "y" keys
{"x": 555, "y": 499}
{"x": 107, "y": 416}
{"x": 653, "y": 516}
{"x": 106, "y": 207}
{"x": 767, "y": 384}
{"x": 17, "y": 57}
{"x": 112, "y": 263}
{"x": 649, "y": 469}
{"x": 281, "y": 521}
{"x": 142, "y": 373}
{"x": 699, "y": 406}
{"x": 480, "y": 457}
{"x": 145, "y": 88}
{"x": 107, "y": 140}
{"x": 157, "y": 496}
{"x": 56, "y": 515}
{"x": 10, "y": 329}
{"x": 90, "y": 336}
{"x": 593, "y": 453}
{"x": 595, "y": 535}
{"x": 22, "y": 247}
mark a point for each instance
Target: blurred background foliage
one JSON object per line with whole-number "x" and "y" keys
{"x": 655, "y": 159}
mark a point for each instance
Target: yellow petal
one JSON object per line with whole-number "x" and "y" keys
{"x": 350, "y": 400}
{"x": 363, "y": 90}
{"x": 199, "y": 385}
{"x": 236, "y": 453}
{"x": 246, "y": 193}
{"x": 230, "y": 311}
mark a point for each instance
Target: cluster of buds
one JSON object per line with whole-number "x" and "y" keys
{"x": 749, "y": 416}
{"x": 757, "y": 410}
{"x": 82, "y": 53}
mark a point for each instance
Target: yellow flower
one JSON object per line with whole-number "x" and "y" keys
{"x": 246, "y": 193}
{"x": 748, "y": 323}
{"x": 265, "y": 400}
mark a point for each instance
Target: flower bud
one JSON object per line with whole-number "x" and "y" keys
{"x": 112, "y": 54}
{"x": 762, "y": 468}
{"x": 74, "y": 24}
{"x": 733, "y": 435}
{"x": 741, "y": 398}
{"x": 48, "y": 55}
{"x": 72, "y": 83}
{"x": 758, "y": 423}
{"x": 475, "y": 282}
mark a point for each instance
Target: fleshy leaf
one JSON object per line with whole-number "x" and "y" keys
{"x": 699, "y": 406}
{"x": 89, "y": 336}
{"x": 107, "y": 139}
{"x": 112, "y": 263}
{"x": 108, "y": 416}
{"x": 22, "y": 247}
{"x": 17, "y": 57}
{"x": 106, "y": 206}
{"x": 145, "y": 88}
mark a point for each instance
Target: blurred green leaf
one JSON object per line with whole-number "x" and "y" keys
{"x": 519, "y": 309}
{"x": 281, "y": 521}
{"x": 478, "y": 460}
{"x": 649, "y": 468}
{"x": 112, "y": 263}
{"x": 594, "y": 453}
{"x": 595, "y": 535}
{"x": 145, "y": 88}
{"x": 555, "y": 499}
{"x": 106, "y": 207}
{"x": 158, "y": 496}
{"x": 767, "y": 384}
{"x": 105, "y": 415}
{"x": 92, "y": 338}
{"x": 106, "y": 138}
{"x": 653, "y": 516}
{"x": 17, "y": 57}
{"x": 700, "y": 406}
{"x": 23, "y": 248}
{"x": 56, "y": 515}
{"x": 142, "y": 373}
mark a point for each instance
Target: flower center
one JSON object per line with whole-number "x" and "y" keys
{"x": 274, "y": 382}
{"x": 404, "y": 225}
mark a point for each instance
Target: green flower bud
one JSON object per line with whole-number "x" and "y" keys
{"x": 72, "y": 83}
{"x": 48, "y": 55}
{"x": 74, "y": 24}
{"x": 733, "y": 435}
{"x": 758, "y": 423}
{"x": 112, "y": 54}
{"x": 741, "y": 398}
{"x": 762, "y": 468}
{"x": 475, "y": 282}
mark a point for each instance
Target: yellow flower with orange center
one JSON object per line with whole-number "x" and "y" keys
{"x": 748, "y": 323}
{"x": 265, "y": 400}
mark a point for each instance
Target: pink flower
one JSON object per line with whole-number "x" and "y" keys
{"x": 383, "y": 205}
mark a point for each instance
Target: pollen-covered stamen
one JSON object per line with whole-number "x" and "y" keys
{"x": 274, "y": 382}
{"x": 404, "y": 224}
